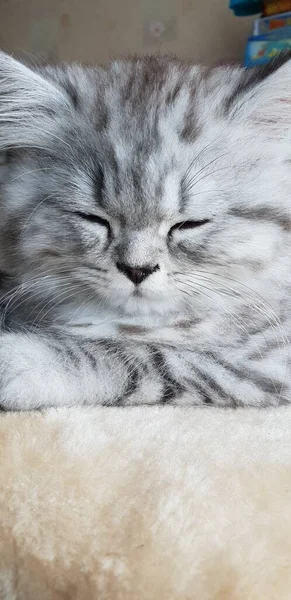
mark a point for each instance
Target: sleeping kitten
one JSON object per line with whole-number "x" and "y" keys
{"x": 145, "y": 234}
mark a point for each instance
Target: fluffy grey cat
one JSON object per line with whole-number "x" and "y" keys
{"x": 145, "y": 234}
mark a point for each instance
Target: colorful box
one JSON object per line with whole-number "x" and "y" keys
{"x": 276, "y": 23}
{"x": 260, "y": 50}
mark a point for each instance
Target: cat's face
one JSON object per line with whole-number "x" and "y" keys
{"x": 142, "y": 184}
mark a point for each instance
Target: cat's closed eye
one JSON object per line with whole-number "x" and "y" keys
{"x": 94, "y": 219}
{"x": 188, "y": 225}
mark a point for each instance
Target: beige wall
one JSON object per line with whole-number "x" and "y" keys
{"x": 96, "y": 30}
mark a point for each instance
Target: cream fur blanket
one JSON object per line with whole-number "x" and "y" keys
{"x": 145, "y": 504}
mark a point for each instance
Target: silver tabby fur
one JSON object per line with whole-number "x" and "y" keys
{"x": 177, "y": 170}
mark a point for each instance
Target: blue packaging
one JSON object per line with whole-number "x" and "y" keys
{"x": 273, "y": 25}
{"x": 261, "y": 49}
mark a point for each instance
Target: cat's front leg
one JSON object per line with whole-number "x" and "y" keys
{"x": 38, "y": 371}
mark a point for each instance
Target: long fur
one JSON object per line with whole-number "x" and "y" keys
{"x": 154, "y": 168}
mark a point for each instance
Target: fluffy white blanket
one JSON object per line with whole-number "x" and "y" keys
{"x": 145, "y": 504}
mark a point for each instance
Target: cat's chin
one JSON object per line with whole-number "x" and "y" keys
{"x": 139, "y": 305}
{"x": 103, "y": 319}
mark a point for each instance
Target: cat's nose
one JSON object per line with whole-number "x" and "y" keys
{"x": 136, "y": 274}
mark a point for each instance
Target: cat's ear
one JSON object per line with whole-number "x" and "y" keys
{"x": 262, "y": 96}
{"x": 29, "y": 105}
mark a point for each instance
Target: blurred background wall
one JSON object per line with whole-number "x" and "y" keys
{"x": 94, "y": 31}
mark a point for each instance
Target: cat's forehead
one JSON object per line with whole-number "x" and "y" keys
{"x": 153, "y": 113}
{"x": 145, "y": 139}
{"x": 151, "y": 97}
{"x": 138, "y": 187}
{"x": 147, "y": 118}
{"x": 147, "y": 107}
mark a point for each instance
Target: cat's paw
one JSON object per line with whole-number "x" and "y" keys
{"x": 31, "y": 377}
